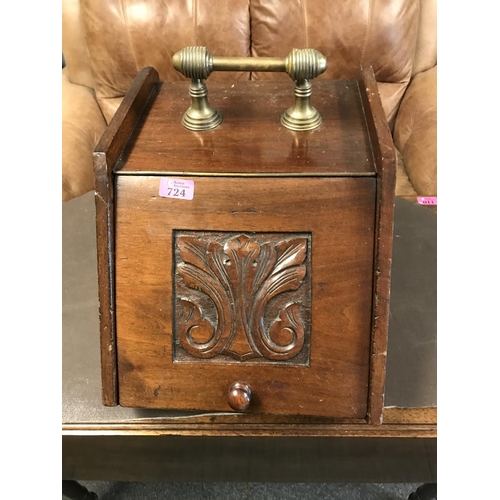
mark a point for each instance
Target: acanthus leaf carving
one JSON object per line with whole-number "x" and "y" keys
{"x": 288, "y": 322}
{"x": 241, "y": 277}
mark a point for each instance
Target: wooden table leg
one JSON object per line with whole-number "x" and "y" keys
{"x": 75, "y": 491}
{"x": 427, "y": 491}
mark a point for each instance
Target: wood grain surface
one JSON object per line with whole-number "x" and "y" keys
{"x": 397, "y": 416}
{"x": 335, "y": 183}
{"x": 251, "y": 138}
{"x": 106, "y": 155}
{"x": 239, "y": 458}
{"x": 240, "y": 297}
{"x": 385, "y": 162}
{"x": 338, "y": 212}
{"x": 84, "y": 415}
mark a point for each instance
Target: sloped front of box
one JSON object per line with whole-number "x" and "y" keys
{"x": 266, "y": 281}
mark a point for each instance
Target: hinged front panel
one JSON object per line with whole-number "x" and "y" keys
{"x": 255, "y": 295}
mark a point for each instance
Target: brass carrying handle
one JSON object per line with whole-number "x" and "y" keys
{"x": 301, "y": 65}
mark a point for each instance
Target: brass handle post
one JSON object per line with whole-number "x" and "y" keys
{"x": 301, "y": 65}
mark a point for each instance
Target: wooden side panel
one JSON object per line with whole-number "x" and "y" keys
{"x": 104, "y": 196}
{"x": 106, "y": 155}
{"x": 127, "y": 115}
{"x": 339, "y": 215}
{"x": 385, "y": 162}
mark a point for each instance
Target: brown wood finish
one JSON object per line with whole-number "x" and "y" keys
{"x": 106, "y": 155}
{"x": 252, "y": 177}
{"x": 240, "y": 396}
{"x": 132, "y": 108}
{"x": 213, "y": 429}
{"x": 426, "y": 416}
{"x": 118, "y": 443}
{"x": 241, "y": 275}
{"x": 398, "y": 423}
{"x": 191, "y": 458}
{"x": 251, "y": 139}
{"x": 385, "y": 162}
{"x": 339, "y": 214}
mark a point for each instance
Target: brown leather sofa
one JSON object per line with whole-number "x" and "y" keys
{"x": 106, "y": 43}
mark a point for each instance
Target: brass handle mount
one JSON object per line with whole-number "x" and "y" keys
{"x": 301, "y": 65}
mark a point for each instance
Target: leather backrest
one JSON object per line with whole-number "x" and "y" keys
{"x": 124, "y": 36}
{"x": 74, "y": 45}
{"x": 426, "y": 49}
{"x": 113, "y": 39}
{"x": 350, "y": 33}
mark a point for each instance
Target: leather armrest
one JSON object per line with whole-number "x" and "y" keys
{"x": 415, "y": 132}
{"x": 82, "y": 127}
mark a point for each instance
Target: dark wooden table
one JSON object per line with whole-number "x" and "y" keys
{"x": 116, "y": 443}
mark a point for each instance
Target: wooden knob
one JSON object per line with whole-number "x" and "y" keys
{"x": 240, "y": 395}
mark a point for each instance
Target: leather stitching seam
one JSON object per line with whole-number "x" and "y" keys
{"x": 125, "y": 18}
{"x": 195, "y": 20}
{"x": 304, "y": 11}
{"x": 367, "y": 30}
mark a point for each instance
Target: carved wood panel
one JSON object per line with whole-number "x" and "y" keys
{"x": 242, "y": 297}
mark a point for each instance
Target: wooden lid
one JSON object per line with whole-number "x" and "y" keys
{"x": 251, "y": 140}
